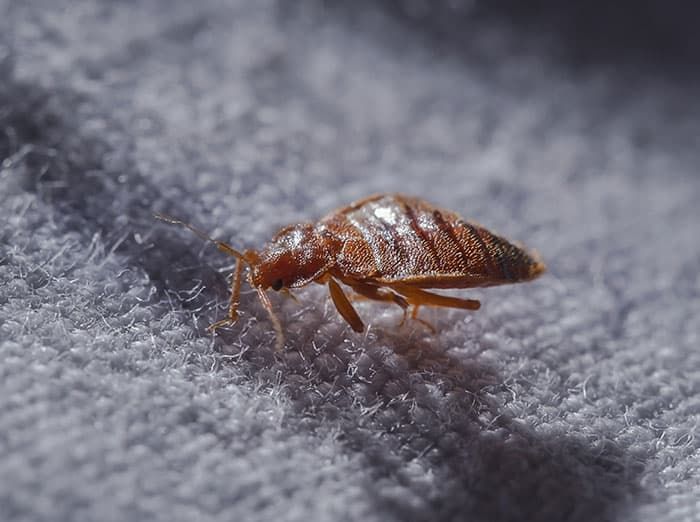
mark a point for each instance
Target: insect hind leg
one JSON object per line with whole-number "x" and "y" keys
{"x": 414, "y": 316}
{"x": 377, "y": 294}
{"x": 416, "y": 296}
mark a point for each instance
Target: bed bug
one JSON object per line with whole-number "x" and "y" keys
{"x": 386, "y": 247}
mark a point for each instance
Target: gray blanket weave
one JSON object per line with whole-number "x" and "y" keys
{"x": 574, "y": 397}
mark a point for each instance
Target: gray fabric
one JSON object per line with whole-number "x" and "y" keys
{"x": 574, "y": 397}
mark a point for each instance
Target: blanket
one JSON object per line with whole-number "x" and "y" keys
{"x": 573, "y": 397}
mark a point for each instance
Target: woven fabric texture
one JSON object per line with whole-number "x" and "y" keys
{"x": 574, "y": 397}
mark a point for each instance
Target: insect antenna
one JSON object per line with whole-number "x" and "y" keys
{"x": 224, "y": 247}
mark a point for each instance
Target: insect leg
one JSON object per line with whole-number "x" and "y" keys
{"x": 377, "y": 294}
{"x": 234, "y": 301}
{"x": 285, "y": 292}
{"x": 345, "y": 308}
{"x": 416, "y": 296}
{"x": 273, "y": 317}
{"x": 427, "y": 324}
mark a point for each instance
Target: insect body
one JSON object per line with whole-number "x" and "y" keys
{"x": 385, "y": 248}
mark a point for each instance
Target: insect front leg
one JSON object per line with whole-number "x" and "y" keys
{"x": 279, "y": 344}
{"x": 235, "y": 299}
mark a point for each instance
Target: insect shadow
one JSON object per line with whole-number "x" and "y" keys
{"x": 426, "y": 404}
{"x": 505, "y": 473}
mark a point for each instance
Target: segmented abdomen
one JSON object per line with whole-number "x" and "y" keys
{"x": 398, "y": 238}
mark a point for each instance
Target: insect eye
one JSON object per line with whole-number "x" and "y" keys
{"x": 277, "y": 285}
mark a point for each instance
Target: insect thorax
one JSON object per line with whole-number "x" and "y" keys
{"x": 294, "y": 257}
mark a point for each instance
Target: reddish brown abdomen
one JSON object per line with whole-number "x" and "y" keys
{"x": 392, "y": 238}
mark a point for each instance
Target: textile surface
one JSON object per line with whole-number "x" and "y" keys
{"x": 573, "y": 397}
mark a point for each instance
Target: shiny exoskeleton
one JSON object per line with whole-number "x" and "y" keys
{"x": 387, "y": 247}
